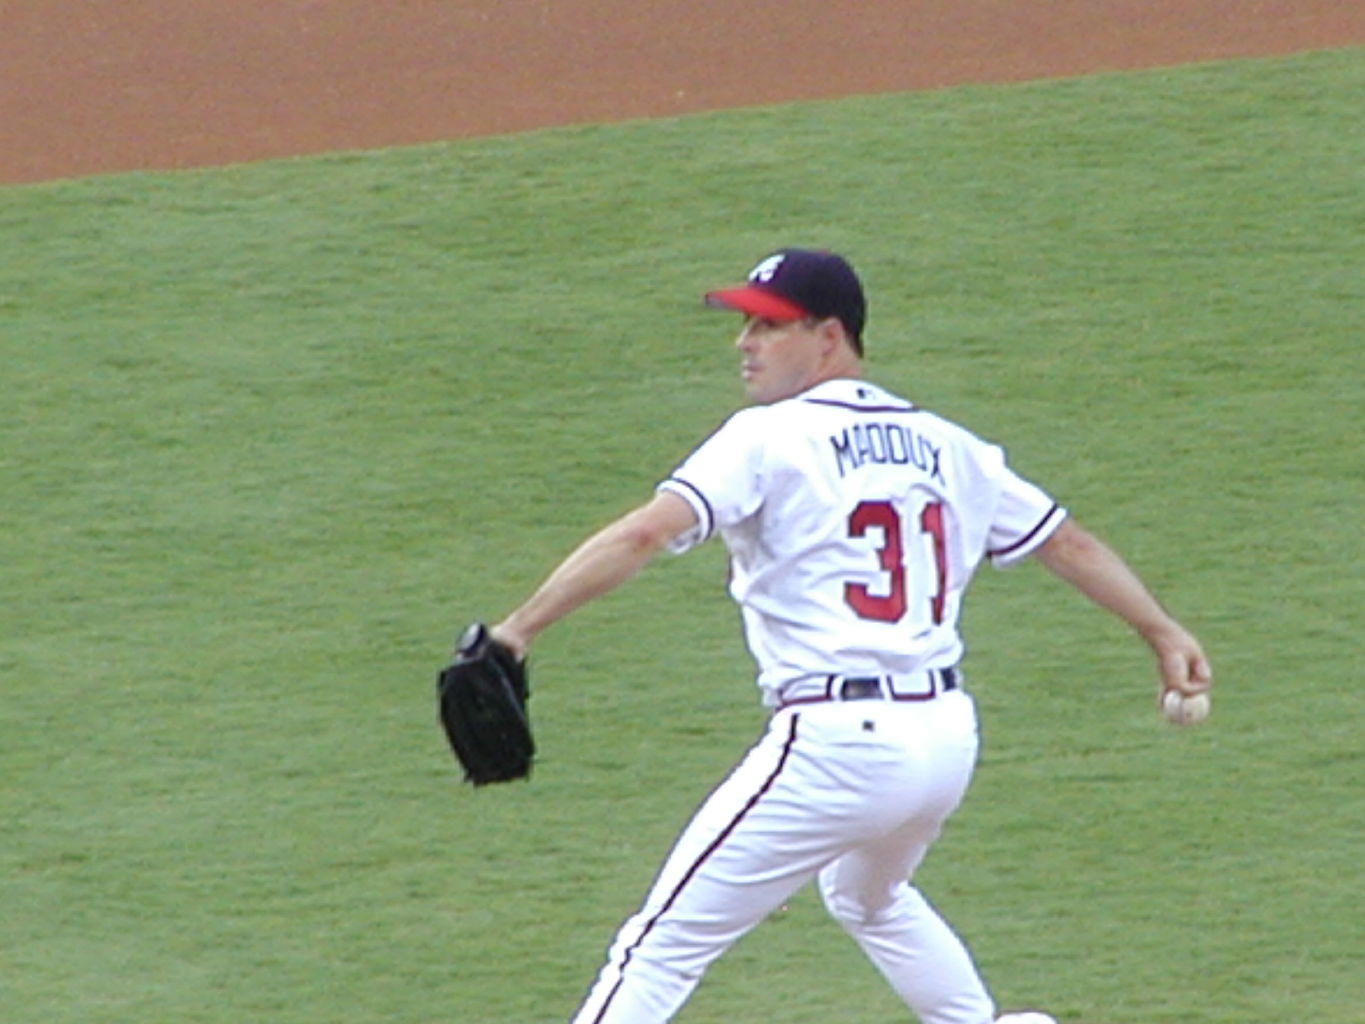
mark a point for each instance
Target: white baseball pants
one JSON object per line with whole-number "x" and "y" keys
{"x": 852, "y": 793}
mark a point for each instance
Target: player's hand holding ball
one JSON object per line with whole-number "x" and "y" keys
{"x": 1186, "y": 678}
{"x": 1185, "y": 708}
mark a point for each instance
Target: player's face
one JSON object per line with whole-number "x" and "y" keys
{"x": 779, "y": 358}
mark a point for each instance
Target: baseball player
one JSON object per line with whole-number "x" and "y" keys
{"x": 854, "y": 520}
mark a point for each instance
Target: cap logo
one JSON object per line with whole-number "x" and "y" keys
{"x": 767, "y": 270}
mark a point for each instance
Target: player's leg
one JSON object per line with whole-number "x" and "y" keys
{"x": 661, "y": 953}
{"x": 867, "y": 892}
{"x": 910, "y": 943}
{"x": 732, "y": 866}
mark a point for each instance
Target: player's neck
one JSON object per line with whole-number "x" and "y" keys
{"x": 844, "y": 365}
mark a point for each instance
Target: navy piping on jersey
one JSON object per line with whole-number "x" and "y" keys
{"x": 709, "y": 526}
{"x": 691, "y": 872}
{"x": 861, "y": 408}
{"x": 1028, "y": 536}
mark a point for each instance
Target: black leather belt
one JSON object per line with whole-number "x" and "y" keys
{"x": 931, "y": 683}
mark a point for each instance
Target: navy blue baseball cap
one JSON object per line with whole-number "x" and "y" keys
{"x": 797, "y": 284}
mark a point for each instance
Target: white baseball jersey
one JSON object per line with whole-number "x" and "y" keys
{"x": 854, "y": 522}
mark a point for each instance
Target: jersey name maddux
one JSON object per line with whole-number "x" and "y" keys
{"x": 854, "y": 522}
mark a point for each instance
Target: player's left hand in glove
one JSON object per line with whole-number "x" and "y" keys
{"x": 481, "y": 699}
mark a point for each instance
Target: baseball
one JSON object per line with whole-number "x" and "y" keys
{"x": 1181, "y": 709}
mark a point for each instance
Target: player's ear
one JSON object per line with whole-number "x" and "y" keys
{"x": 833, "y": 335}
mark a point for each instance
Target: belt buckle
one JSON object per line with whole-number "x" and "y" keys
{"x": 936, "y": 681}
{"x": 863, "y": 688}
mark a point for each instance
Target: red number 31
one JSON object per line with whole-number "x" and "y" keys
{"x": 891, "y": 606}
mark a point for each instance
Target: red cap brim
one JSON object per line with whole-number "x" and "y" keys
{"x": 756, "y": 302}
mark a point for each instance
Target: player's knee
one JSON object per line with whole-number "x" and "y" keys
{"x": 854, "y": 910}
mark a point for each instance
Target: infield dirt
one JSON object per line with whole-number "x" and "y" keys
{"x": 88, "y": 88}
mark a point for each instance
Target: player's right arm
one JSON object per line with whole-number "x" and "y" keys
{"x": 600, "y": 564}
{"x": 1093, "y": 568}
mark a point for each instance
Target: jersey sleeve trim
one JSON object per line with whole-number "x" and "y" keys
{"x": 1032, "y": 540}
{"x": 706, "y": 515}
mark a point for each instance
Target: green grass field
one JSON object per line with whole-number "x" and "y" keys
{"x": 272, "y": 433}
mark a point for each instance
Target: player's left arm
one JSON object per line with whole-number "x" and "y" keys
{"x": 599, "y": 565}
{"x": 1098, "y": 572}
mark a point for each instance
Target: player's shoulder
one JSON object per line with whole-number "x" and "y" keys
{"x": 847, "y": 401}
{"x": 862, "y": 399}
{"x": 848, "y": 396}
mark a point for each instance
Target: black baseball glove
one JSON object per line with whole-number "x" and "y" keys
{"x": 481, "y": 699}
